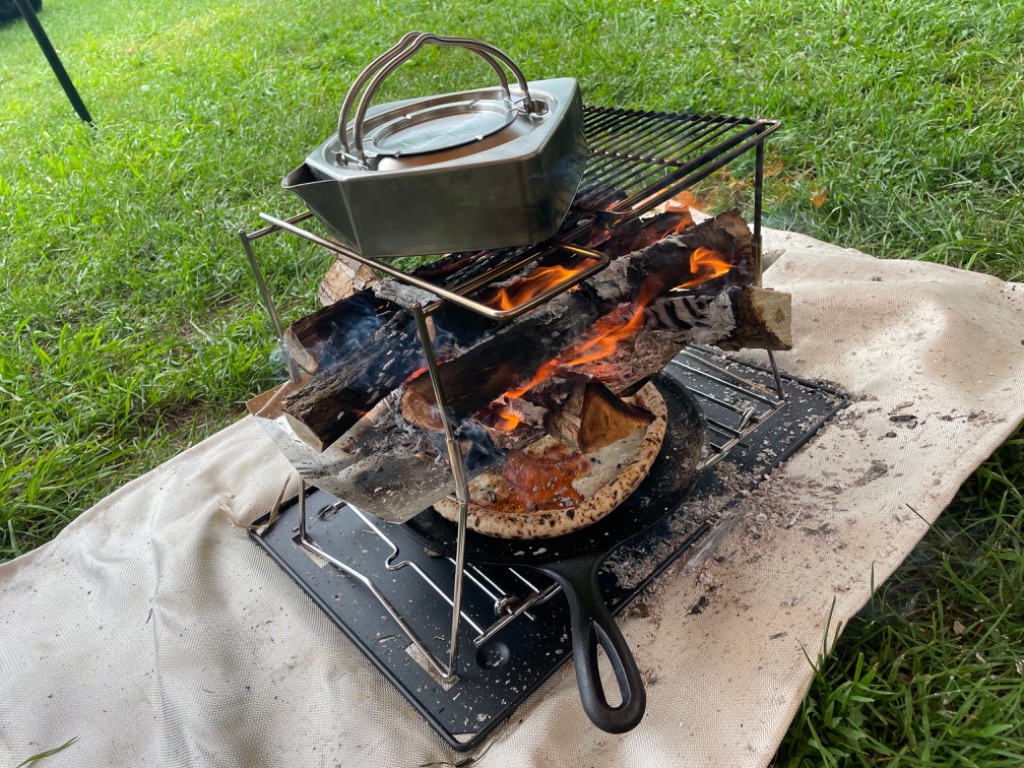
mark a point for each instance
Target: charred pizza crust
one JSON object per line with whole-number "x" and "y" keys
{"x": 615, "y": 472}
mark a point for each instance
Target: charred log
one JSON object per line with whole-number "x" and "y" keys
{"x": 360, "y": 349}
{"x": 369, "y": 368}
{"x": 740, "y": 317}
{"x": 323, "y": 338}
{"x": 641, "y": 233}
{"x": 592, "y": 417}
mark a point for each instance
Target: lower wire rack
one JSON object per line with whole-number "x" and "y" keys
{"x": 515, "y": 630}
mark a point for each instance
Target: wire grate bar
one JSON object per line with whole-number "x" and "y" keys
{"x": 483, "y": 583}
{"x": 661, "y": 185}
{"x": 391, "y": 565}
{"x": 722, "y": 428}
{"x": 725, "y": 378}
{"x": 529, "y": 584}
{"x": 650, "y": 146}
{"x": 497, "y": 590}
{"x": 640, "y": 159}
{"x": 702, "y": 166}
{"x": 616, "y": 170}
{"x": 609, "y": 130}
{"x": 726, "y": 404}
{"x": 681, "y": 139}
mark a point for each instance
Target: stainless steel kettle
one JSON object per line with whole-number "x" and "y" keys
{"x": 487, "y": 168}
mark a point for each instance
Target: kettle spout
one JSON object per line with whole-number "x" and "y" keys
{"x": 326, "y": 198}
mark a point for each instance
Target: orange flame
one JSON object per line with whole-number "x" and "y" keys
{"x": 507, "y": 420}
{"x": 538, "y": 281}
{"x": 543, "y": 373}
{"x": 705, "y": 265}
{"x": 608, "y": 333}
{"x": 416, "y": 374}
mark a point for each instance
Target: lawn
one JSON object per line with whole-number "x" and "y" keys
{"x": 133, "y": 329}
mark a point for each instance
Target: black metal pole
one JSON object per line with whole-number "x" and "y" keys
{"x": 51, "y": 56}
{"x": 758, "y": 204}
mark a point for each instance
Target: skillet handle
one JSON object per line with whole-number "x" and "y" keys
{"x": 593, "y": 625}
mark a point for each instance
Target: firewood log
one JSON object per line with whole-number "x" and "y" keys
{"x": 558, "y": 404}
{"x": 488, "y": 359}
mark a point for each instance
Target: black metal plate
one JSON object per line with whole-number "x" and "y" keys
{"x": 494, "y": 680}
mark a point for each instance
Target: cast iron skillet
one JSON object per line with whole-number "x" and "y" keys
{"x": 573, "y": 559}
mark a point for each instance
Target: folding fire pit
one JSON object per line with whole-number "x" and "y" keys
{"x": 508, "y": 633}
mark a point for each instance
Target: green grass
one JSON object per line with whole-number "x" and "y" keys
{"x": 931, "y": 673}
{"x": 133, "y": 329}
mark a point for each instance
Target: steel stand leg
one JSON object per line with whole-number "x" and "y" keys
{"x": 458, "y": 474}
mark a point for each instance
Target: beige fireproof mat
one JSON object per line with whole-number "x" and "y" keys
{"x": 156, "y": 633}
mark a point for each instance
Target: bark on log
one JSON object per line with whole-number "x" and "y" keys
{"x": 370, "y": 367}
{"x": 367, "y": 347}
{"x": 739, "y": 318}
{"x": 318, "y": 340}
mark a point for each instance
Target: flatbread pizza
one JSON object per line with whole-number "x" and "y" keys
{"x": 549, "y": 490}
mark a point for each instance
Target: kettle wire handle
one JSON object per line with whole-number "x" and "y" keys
{"x": 374, "y": 66}
{"x": 382, "y": 67}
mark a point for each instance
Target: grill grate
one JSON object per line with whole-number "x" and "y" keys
{"x": 640, "y": 159}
